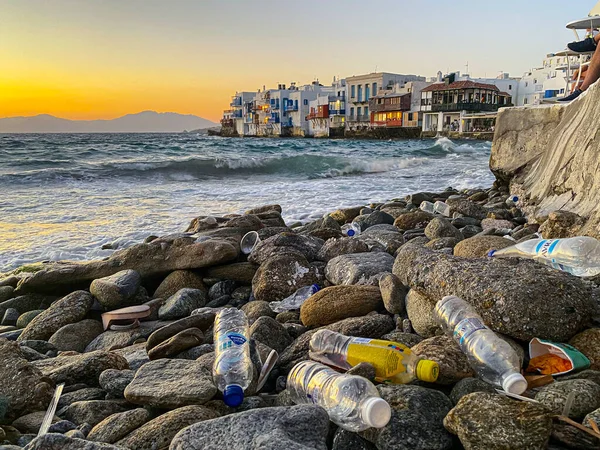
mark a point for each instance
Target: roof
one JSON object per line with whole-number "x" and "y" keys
{"x": 391, "y": 95}
{"x": 467, "y": 84}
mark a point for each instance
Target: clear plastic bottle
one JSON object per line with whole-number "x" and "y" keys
{"x": 578, "y": 256}
{"x": 393, "y": 362}
{"x": 295, "y": 300}
{"x": 427, "y": 207}
{"x": 351, "y": 401}
{"x": 351, "y": 229}
{"x": 512, "y": 201}
{"x": 441, "y": 208}
{"x": 494, "y": 360}
{"x": 232, "y": 370}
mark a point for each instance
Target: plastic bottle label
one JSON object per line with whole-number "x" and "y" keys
{"x": 231, "y": 339}
{"x": 546, "y": 247}
{"x": 466, "y": 328}
{"x": 385, "y": 356}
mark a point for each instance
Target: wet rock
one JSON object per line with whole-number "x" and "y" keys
{"x": 221, "y": 288}
{"x": 6, "y": 293}
{"x": 27, "y": 390}
{"x": 31, "y": 355}
{"x": 113, "y": 340}
{"x": 375, "y": 218}
{"x": 502, "y": 292}
{"x": 467, "y": 208}
{"x": 76, "y": 336}
{"x": 411, "y": 220}
{"x": 407, "y": 339}
{"x": 42, "y": 347}
{"x": 258, "y": 429}
{"x": 62, "y": 426}
{"x": 586, "y": 400}
{"x": 416, "y": 423}
{"x": 385, "y": 236}
{"x": 264, "y": 209}
{"x": 335, "y": 303}
{"x": 280, "y": 276}
{"x": 200, "y": 321}
{"x": 562, "y": 224}
{"x": 182, "y": 303}
{"x": 461, "y": 222}
{"x": 487, "y": 224}
{"x": 483, "y": 420}
{"x": 393, "y": 293}
{"x": 286, "y": 244}
{"x": 81, "y": 368}
{"x": 470, "y": 231}
{"x": 27, "y": 317}
{"x": 56, "y": 441}
{"x": 31, "y": 423}
{"x": 115, "y": 381}
{"x": 135, "y": 355}
{"x": 588, "y": 343}
{"x": 119, "y": 425}
{"x": 480, "y": 246}
{"x": 69, "y": 309}
{"x": 182, "y": 341}
{"x": 177, "y": 280}
{"x": 117, "y": 290}
{"x": 271, "y": 333}
{"x": 346, "y": 440}
{"x": 92, "y": 411}
{"x": 372, "y": 326}
{"x": 239, "y": 272}
{"x": 420, "y": 308}
{"x": 256, "y": 309}
{"x": 341, "y": 246}
{"x": 345, "y": 215}
{"x": 468, "y": 386}
{"x": 25, "y": 303}
{"x": 359, "y": 268}
{"x": 11, "y": 315}
{"x": 158, "y": 257}
{"x": 420, "y": 197}
{"x": 81, "y": 395}
{"x": 171, "y": 383}
{"x": 452, "y": 362}
{"x": 442, "y": 228}
{"x": 294, "y": 329}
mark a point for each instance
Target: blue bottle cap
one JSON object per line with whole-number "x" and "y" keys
{"x": 315, "y": 288}
{"x": 233, "y": 395}
{"x": 491, "y": 253}
{"x": 351, "y": 233}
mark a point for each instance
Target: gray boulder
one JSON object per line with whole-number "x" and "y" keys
{"x": 467, "y": 208}
{"x": 346, "y": 440}
{"x": 341, "y": 246}
{"x": 420, "y": 308}
{"x": 11, "y": 315}
{"x": 69, "y": 309}
{"x": 442, "y": 228}
{"x": 586, "y": 397}
{"x": 271, "y": 333}
{"x": 76, "y": 336}
{"x": 393, "y": 293}
{"x": 80, "y": 395}
{"x": 468, "y": 386}
{"x": 286, "y": 244}
{"x": 387, "y": 237}
{"x": 452, "y": 362}
{"x": 182, "y": 303}
{"x": 200, "y": 321}
{"x": 265, "y": 428}
{"x": 117, "y": 290}
{"x": 54, "y": 441}
{"x": 408, "y": 339}
{"x": 417, "y": 420}
{"x": 359, "y": 268}
{"x": 6, "y": 293}
{"x": 27, "y": 317}
{"x": 171, "y": 383}
{"x": 115, "y": 381}
{"x": 510, "y": 294}
{"x": 119, "y": 425}
{"x": 112, "y": 340}
{"x": 179, "y": 279}
{"x": 25, "y": 303}
{"x": 135, "y": 355}
{"x": 182, "y": 341}
{"x": 256, "y": 309}
{"x": 375, "y": 218}
{"x": 92, "y": 412}
{"x": 483, "y": 420}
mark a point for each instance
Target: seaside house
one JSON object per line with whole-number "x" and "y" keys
{"x": 458, "y": 104}
{"x": 299, "y": 108}
{"x": 361, "y": 88}
{"x": 326, "y": 117}
{"x": 239, "y": 107}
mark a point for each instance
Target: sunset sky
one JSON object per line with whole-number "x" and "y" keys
{"x": 87, "y": 59}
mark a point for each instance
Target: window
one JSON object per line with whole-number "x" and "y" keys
{"x": 352, "y": 111}
{"x": 367, "y": 92}
{"x": 358, "y": 111}
{"x": 353, "y": 91}
{"x": 410, "y": 116}
{"x": 360, "y": 93}
{"x": 374, "y": 88}
{"x": 526, "y": 84}
{"x": 510, "y": 87}
{"x": 305, "y": 102}
{"x": 525, "y": 101}
{"x": 366, "y": 110}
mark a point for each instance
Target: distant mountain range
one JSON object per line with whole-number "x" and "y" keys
{"x": 143, "y": 122}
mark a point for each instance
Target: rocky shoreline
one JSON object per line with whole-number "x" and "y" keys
{"x": 151, "y": 387}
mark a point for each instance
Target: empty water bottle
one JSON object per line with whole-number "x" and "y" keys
{"x": 351, "y": 229}
{"x": 578, "y": 256}
{"x": 232, "y": 370}
{"x": 512, "y": 200}
{"x": 393, "y": 362}
{"x": 351, "y": 401}
{"x": 295, "y": 300}
{"x": 441, "y": 208}
{"x": 494, "y": 360}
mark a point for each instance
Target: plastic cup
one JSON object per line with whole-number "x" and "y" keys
{"x": 248, "y": 242}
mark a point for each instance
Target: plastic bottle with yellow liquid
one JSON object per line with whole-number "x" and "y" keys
{"x": 393, "y": 362}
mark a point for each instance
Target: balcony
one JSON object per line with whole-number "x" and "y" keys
{"x": 236, "y": 102}
{"x": 361, "y": 118}
{"x": 466, "y": 106}
{"x": 337, "y": 112}
{"x": 293, "y": 107}
{"x": 388, "y": 123}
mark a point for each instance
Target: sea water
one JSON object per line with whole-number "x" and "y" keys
{"x": 64, "y": 196}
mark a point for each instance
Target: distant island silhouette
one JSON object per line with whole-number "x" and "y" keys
{"x": 142, "y": 122}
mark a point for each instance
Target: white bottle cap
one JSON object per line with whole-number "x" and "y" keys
{"x": 515, "y": 383}
{"x": 376, "y": 412}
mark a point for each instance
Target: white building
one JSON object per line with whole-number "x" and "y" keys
{"x": 240, "y": 104}
{"x": 326, "y": 117}
{"x": 360, "y": 88}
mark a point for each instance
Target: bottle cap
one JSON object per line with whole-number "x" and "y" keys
{"x": 491, "y": 253}
{"x": 233, "y": 395}
{"x": 515, "y": 383}
{"x": 376, "y": 412}
{"x": 315, "y": 288}
{"x": 427, "y": 370}
{"x": 351, "y": 233}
